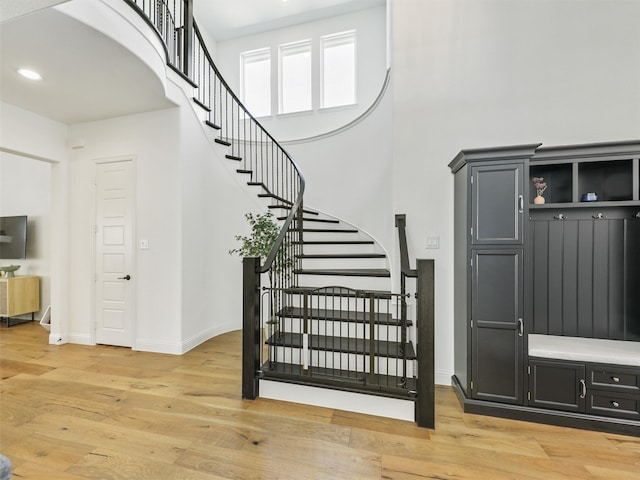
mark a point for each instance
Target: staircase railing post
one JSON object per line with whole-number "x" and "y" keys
{"x": 425, "y": 402}
{"x": 251, "y": 327}
{"x": 187, "y": 53}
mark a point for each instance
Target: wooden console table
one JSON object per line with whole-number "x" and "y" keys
{"x": 18, "y": 296}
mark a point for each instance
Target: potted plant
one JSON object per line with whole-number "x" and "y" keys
{"x": 264, "y": 232}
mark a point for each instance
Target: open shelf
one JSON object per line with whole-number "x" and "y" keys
{"x": 612, "y": 180}
{"x": 558, "y": 178}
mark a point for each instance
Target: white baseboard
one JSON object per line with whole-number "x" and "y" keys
{"x": 443, "y": 378}
{"x": 339, "y": 400}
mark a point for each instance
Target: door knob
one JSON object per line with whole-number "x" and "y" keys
{"x": 128, "y": 277}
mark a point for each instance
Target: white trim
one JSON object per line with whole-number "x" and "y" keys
{"x": 339, "y": 400}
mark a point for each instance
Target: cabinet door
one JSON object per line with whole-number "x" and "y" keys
{"x": 497, "y": 204}
{"x": 497, "y": 325}
{"x": 557, "y": 385}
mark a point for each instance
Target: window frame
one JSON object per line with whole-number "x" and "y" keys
{"x": 302, "y": 46}
{"x": 255, "y": 56}
{"x": 348, "y": 37}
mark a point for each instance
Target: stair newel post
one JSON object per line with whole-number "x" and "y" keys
{"x": 251, "y": 337}
{"x": 425, "y": 402}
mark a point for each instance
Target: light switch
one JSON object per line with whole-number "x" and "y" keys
{"x": 433, "y": 242}
{"x": 144, "y": 244}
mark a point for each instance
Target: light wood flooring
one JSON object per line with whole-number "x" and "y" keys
{"x": 78, "y": 412}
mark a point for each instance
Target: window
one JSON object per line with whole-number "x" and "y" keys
{"x": 338, "y": 66}
{"x": 255, "y": 78}
{"x": 295, "y": 77}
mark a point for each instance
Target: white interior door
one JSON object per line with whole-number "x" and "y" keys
{"x": 114, "y": 253}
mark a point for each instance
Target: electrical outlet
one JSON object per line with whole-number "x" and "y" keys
{"x": 144, "y": 244}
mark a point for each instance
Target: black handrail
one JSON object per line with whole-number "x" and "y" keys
{"x": 173, "y": 23}
{"x": 271, "y": 185}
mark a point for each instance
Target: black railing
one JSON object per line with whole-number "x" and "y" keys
{"x": 340, "y": 337}
{"x": 425, "y": 332}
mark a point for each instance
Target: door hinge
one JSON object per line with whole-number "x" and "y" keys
{"x": 529, "y": 370}
{"x": 471, "y": 262}
{"x": 471, "y": 384}
{"x": 471, "y": 179}
{"x": 471, "y": 323}
{"x": 528, "y": 395}
{"x": 471, "y": 231}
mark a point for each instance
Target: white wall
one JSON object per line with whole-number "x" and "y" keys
{"x": 371, "y": 66}
{"x": 25, "y": 189}
{"x": 477, "y": 73}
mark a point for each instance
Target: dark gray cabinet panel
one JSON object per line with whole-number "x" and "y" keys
{"x": 632, "y": 278}
{"x": 585, "y": 276}
{"x": 497, "y": 328}
{"x": 497, "y": 204}
{"x": 557, "y": 385}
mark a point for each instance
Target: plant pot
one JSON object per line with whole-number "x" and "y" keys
{"x": 539, "y": 200}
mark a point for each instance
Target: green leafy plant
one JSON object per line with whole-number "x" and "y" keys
{"x": 264, "y": 232}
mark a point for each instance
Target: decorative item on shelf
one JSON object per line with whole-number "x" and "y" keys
{"x": 540, "y": 186}
{"x": 589, "y": 197}
{"x": 8, "y": 270}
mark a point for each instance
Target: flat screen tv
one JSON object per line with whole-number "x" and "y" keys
{"x": 13, "y": 237}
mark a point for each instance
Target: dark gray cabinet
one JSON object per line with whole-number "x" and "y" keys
{"x": 604, "y": 390}
{"x": 497, "y": 204}
{"x": 557, "y": 385}
{"x": 568, "y": 267}
{"x": 497, "y": 325}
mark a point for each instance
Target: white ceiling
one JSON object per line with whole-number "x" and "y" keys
{"x": 226, "y": 19}
{"x": 88, "y": 76}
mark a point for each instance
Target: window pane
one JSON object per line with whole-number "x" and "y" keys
{"x": 256, "y": 82}
{"x": 295, "y": 77}
{"x": 339, "y": 70}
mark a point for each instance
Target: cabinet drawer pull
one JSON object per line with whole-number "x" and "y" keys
{"x": 615, "y": 404}
{"x": 520, "y": 203}
{"x": 615, "y": 379}
{"x": 583, "y": 389}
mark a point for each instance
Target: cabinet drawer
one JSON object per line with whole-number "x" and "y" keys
{"x": 615, "y": 379}
{"x": 614, "y": 404}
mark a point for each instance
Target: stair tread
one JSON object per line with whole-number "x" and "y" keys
{"x": 383, "y": 382}
{"x": 201, "y": 105}
{"x": 382, "y": 348}
{"x": 234, "y": 157}
{"x": 342, "y": 315}
{"x": 222, "y": 142}
{"x": 322, "y": 220}
{"x": 209, "y": 123}
{"x": 347, "y": 272}
{"x": 342, "y": 255}
{"x": 288, "y": 207}
{"x": 382, "y": 294}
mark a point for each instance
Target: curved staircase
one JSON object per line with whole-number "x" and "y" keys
{"x": 328, "y": 318}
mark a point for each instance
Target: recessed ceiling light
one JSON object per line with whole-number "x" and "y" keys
{"x": 30, "y": 74}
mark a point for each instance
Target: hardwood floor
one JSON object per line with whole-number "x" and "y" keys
{"x": 77, "y": 412}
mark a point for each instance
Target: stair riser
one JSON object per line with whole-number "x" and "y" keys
{"x": 339, "y": 248}
{"x": 344, "y": 263}
{"x": 356, "y": 283}
{"x": 333, "y": 236}
{"x": 341, "y": 329}
{"x": 342, "y": 361}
